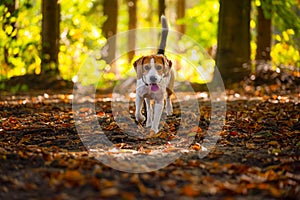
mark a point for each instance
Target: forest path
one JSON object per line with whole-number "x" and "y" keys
{"x": 256, "y": 157}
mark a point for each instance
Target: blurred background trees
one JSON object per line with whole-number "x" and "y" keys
{"x": 233, "y": 39}
{"x": 50, "y": 37}
{"x": 54, "y": 37}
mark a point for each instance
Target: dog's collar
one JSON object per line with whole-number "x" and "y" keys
{"x": 144, "y": 81}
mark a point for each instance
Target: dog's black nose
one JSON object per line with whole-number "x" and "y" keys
{"x": 153, "y": 79}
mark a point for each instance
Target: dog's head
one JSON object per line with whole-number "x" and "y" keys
{"x": 152, "y": 68}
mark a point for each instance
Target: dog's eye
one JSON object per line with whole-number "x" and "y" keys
{"x": 147, "y": 67}
{"x": 158, "y": 67}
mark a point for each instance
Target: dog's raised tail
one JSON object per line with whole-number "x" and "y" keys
{"x": 164, "y": 34}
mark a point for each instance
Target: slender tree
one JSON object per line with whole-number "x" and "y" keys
{"x": 50, "y": 36}
{"x": 109, "y": 28}
{"x": 233, "y": 39}
{"x": 180, "y": 13}
{"x": 264, "y": 37}
{"x": 132, "y": 26}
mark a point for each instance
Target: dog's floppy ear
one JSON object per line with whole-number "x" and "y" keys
{"x": 168, "y": 65}
{"x": 138, "y": 66}
{"x": 169, "y": 62}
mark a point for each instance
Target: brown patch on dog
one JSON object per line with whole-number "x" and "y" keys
{"x": 169, "y": 92}
{"x": 140, "y": 65}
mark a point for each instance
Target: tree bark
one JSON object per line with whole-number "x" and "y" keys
{"x": 132, "y": 26}
{"x": 264, "y": 38}
{"x": 180, "y": 13}
{"x": 50, "y": 36}
{"x": 110, "y": 9}
{"x": 233, "y": 39}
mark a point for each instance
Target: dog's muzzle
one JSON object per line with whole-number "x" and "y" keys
{"x": 153, "y": 79}
{"x": 153, "y": 85}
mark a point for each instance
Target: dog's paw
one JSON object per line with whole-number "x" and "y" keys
{"x": 151, "y": 133}
{"x": 140, "y": 118}
{"x": 154, "y": 129}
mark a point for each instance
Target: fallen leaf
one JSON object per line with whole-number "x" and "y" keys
{"x": 109, "y": 192}
{"x": 73, "y": 175}
{"x": 273, "y": 143}
{"x": 233, "y": 133}
{"x": 190, "y": 190}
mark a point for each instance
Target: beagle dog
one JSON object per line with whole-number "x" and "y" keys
{"x": 155, "y": 81}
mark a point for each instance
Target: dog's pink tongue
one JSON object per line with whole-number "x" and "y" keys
{"x": 154, "y": 88}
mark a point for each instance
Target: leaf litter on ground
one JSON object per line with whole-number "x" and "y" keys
{"x": 256, "y": 157}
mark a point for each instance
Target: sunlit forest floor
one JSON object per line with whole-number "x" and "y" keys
{"x": 256, "y": 157}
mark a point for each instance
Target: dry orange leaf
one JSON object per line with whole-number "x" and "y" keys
{"x": 190, "y": 190}
{"x": 273, "y": 143}
{"x": 128, "y": 196}
{"x": 108, "y": 192}
{"x": 101, "y": 114}
{"x": 196, "y": 129}
{"x": 196, "y": 147}
{"x": 73, "y": 175}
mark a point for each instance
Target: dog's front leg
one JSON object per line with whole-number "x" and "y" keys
{"x": 138, "y": 109}
{"x": 169, "y": 107}
{"x": 149, "y": 112}
{"x": 158, "y": 108}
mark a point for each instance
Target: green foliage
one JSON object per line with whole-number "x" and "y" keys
{"x": 23, "y": 43}
{"x": 80, "y": 28}
{"x": 80, "y": 34}
{"x": 284, "y": 15}
{"x": 93, "y": 72}
{"x": 19, "y": 88}
{"x": 285, "y": 52}
{"x": 202, "y": 22}
{"x": 194, "y": 63}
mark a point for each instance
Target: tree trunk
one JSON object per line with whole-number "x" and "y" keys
{"x": 110, "y": 10}
{"x": 12, "y": 34}
{"x": 50, "y": 36}
{"x": 180, "y": 13}
{"x": 161, "y": 8}
{"x": 150, "y": 13}
{"x": 132, "y": 26}
{"x": 233, "y": 39}
{"x": 263, "y": 40}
